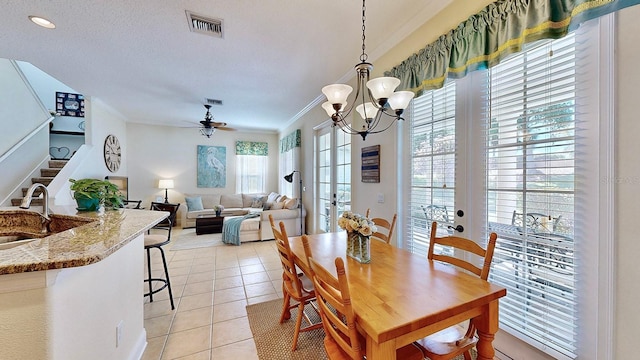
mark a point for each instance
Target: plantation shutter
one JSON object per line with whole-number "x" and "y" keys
{"x": 432, "y": 138}
{"x": 530, "y": 143}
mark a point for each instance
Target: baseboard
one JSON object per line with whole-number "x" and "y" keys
{"x": 140, "y": 346}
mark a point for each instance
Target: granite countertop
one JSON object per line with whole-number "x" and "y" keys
{"x": 82, "y": 245}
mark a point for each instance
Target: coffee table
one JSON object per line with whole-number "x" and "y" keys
{"x": 208, "y": 224}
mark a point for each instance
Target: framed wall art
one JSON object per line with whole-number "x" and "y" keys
{"x": 371, "y": 164}
{"x": 68, "y": 104}
{"x": 212, "y": 166}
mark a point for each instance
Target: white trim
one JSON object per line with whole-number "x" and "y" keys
{"x": 607, "y": 273}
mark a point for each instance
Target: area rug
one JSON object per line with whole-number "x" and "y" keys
{"x": 188, "y": 239}
{"x": 273, "y": 340}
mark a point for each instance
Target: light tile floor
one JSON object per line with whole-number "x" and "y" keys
{"x": 211, "y": 287}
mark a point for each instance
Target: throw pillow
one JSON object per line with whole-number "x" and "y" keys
{"x": 194, "y": 203}
{"x": 258, "y": 201}
{"x": 277, "y": 206}
{"x": 272, "y": 197}
{"x": 291, "y": 203}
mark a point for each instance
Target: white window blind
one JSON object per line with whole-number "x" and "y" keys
{"x": 531, "y": 192}
{"x": 251, "y": 173}
{"x": 432, "y": 180}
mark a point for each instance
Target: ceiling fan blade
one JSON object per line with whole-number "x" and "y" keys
{"x": 224, "y": 128}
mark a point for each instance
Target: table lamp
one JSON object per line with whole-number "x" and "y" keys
{"x": 165, "y": 184}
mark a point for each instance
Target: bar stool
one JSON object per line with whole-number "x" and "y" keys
{"x": 157, "y": 241}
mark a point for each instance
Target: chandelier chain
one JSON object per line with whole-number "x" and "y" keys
{"x": 364, "y": 55}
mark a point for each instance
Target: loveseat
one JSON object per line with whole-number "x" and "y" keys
{"x": 258, "y": 228}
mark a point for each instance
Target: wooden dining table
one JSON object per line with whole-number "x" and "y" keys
{"x": 401, "y": 297}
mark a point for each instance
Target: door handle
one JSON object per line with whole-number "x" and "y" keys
{"x": 458, "y": 228}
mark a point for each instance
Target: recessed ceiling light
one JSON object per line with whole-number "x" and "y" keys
{"x": 42, "y": 22}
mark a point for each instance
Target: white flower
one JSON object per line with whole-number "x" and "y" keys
{"x": 356, "y": 223}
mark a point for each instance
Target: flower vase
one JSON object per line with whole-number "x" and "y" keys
{"x": 218, "y": 212}
{"x": 359, "y": 247}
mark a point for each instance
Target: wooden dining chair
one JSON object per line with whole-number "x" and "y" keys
{"x": 451, "y": 342}
{"x": 342, "y": 340}
{"x": 384, "y": 227}
{"x": 296, "y": 286}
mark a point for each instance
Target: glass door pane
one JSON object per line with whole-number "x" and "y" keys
{"x": 324, "y": 193}
{"x": 333, "y": 154}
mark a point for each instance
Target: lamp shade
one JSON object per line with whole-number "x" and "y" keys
{"x": 165, "y": 184}
{"x": 289, "y": 178}
{"x": 383, "y": 87}
{"x": 367, "y": 110}
{"x": 207, "y": 131}
{"x": 399, "y": 100}
{"x": 337, "y": 93}
{"x": 328, "y": 107}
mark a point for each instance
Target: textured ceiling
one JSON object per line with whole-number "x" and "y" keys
{"x": 140, "y": 58}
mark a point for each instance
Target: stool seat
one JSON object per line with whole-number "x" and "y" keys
{"x": 157, "y": 241}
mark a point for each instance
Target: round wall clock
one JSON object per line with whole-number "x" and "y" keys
{"x": 112, "y": 153}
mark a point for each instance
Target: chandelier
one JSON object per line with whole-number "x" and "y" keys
{"x": 376, "y": 97}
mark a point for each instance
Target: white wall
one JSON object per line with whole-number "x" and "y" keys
{"x": 627, "y": 181}
{"x": 20, "y": 110}
{"x": 72, "y": 313}
{"x": 20, "y": 114}
{"x": 46, "y": 87}
{"x": 163, "y": 152}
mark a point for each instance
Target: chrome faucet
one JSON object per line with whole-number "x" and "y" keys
{"x": 26, "y": 201}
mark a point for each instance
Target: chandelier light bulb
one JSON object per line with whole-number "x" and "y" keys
{"x": 383, "y": 87}
{"x": 366, "y": 110}
{"x": 399, "y": 100}
{"x": 337, "y": 93}
{"x": 328, "y": 107}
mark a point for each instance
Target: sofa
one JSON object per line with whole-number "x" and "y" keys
{"x": 252, "y": 229}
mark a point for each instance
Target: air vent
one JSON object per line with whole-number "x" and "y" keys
{"x": 213, "y": 101}
{"x": 204, "y": 25}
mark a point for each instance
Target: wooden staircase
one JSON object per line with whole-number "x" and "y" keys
{"x": 45, "y": 178}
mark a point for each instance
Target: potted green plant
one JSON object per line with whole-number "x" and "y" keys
{"x": 91, "y": 193}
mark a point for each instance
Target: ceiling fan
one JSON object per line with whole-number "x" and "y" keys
{"x": 209, "y": 126}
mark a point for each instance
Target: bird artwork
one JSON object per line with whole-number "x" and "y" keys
{"x": 212, "y": 170}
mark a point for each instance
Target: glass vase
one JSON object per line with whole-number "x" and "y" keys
{"x": 359, "y": 247}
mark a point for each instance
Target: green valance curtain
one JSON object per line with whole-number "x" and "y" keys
{"x": 500, "y": 29}
{"x": 252, "y": 148}
{"x": 290, "y": 141}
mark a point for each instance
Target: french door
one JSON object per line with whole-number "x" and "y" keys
{"x": 333, "y": 177}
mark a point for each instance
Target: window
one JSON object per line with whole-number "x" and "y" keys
{"x": 531, "y": 190}
{"x": 251, "y": 173}
{"x": 433, "y": 146}
{"x": 522, "y": 152}
{"x": 286, "y": 167}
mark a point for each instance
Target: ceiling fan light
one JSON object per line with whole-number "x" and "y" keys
{"x": 366, "y": 110}
{"x": 207, "y": 131}
{"x": 383, "y": 87}
{"x": 400, "y": 100}
{"x": 337, "y": 93}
